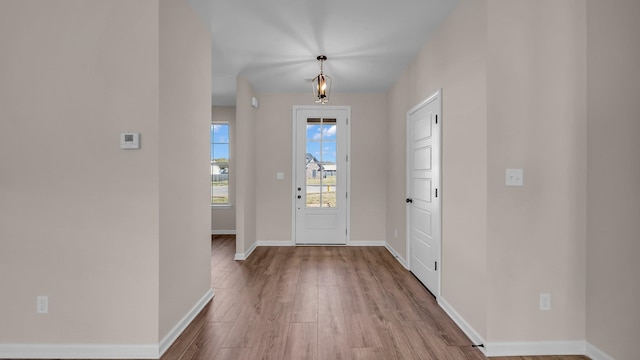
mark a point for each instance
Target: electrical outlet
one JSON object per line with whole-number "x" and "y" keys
{"x": 514, "y": 177}
{"x": 545, "y": 301}
{"x": 396, "y": 232}
{"x": 42, "y": 304}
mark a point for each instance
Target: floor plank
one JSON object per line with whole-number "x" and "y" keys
{"x": 302, "y": 342}
{"x": 374, "y": 353}
{"x": 305, "y": 306}
{"x": 208, "y": 342}
{"x": 234, "y": 354}
{"x": 273, "y": 330}
{"x": 333, "y": 341}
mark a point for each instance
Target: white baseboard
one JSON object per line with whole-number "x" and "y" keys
{"x": 276, "y": 243}
{"x": 596, "y": 354}
{"x": 78, "y": 351}
{"x": 467, "y": 329}
{"x": 185, "y": 321}
{"x": 545, "y": 348}
{"x": 365, "y": 243}
{"x": 223, "y": 232}
{"x": 535, "y": 348}
{"x": 400, "y": 259}
{"x": 103, "y": 351}
{"x": 246, "y": 254}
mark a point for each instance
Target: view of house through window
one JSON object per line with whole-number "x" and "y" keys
{"x": 220, "y": 164}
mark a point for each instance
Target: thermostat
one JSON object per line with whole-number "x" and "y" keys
{"x": 130, "y": 141}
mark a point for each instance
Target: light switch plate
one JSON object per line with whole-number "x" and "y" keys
{"x": 545, "y": 301}
{"x": 515, "y": 177}
{"x": 42, "y": 304}
{"x": 280, "y": 175}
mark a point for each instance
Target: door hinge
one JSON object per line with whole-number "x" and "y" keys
{"x": 346, "y": 195}
{"x": 436, "y": 118}
{"x": 436, "y": 266}
{"x": 347, "y": 158}
{"x": 345, "y": 231}
{"x": 347, "y": 121}
{"x": 436, "y": 192}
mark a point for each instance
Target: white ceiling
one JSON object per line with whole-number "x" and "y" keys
{"x": 274, "y": 43}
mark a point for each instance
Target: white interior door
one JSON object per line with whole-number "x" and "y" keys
{"x": 424, "y": 195}
{"x": 320, "y": 203}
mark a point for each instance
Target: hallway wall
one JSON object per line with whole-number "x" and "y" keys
{"x": 274, "y": 145}
{"x": 536, "y": 85}
{"x": 453, "y": 59}
{"x": 613, "y": 204}
{"x": 103, "y": 232}
{"x": 506, "y": 104}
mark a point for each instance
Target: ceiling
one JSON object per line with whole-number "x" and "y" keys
{"x": 274, "y": 43}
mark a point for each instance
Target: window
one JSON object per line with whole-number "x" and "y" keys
{"x": 321, "y": 162}
{"x": 220, "y": 164}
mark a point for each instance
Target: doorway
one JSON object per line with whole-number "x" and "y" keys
{"x": 320, "y": 164}
{"x": 424, "y": 193}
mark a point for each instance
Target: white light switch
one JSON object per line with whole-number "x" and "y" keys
{"x": 42, "y": 304}
{"x": 515, "y": 177}
{"x": 545, "y": 301}
{"x": 280, "y": 175}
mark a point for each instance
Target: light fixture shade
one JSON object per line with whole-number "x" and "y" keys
{"x": 322, "y": 88}
{"x": 322, "y": 84}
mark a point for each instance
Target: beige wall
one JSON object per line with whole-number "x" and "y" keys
{"x": 454, "y": 59}
{"x": 613, "y": 240}
{"x": 274, "y": 145}
{"x": 81, "y": 220}
{"x": 185, "y": 117}
{"x": 536, "y": 121}
{"x": 245, "y": 180}
{"x": 223, "y": 219}
{"x": 513, "y": 75}
{"x": 79, "y": 216}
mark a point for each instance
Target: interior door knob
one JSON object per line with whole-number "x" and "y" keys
{"x": 299, "y": 196}
{"x": 409, "y": 201}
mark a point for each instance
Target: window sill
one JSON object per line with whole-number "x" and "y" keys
{"x": 221, "y": 206}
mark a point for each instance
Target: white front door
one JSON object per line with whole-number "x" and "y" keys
{"x": 424, "y": 195}
{"x": 320, "y": 200}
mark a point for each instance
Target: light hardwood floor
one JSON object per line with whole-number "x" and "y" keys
{"x": 322, "y": 303}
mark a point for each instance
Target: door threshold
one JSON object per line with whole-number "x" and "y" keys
{"x": 336, "y": 244}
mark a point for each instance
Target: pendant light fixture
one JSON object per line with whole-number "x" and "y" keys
{"x": 322, "y": 83}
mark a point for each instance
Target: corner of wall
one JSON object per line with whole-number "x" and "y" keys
{"x": 184, "y": 237}
{"x": 245, "y": 151}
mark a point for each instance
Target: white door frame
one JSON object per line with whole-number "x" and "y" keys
{"x": 408, "y": 167}
{"x": 296, "y": 108}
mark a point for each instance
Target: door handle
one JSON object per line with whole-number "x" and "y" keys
{"x": 299, "y": 196}
{"x": 299, "y": 189}
{"x": 409, "y": 200}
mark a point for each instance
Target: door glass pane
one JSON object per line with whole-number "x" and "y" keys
{"x": 329, "y": 129}
{"x": 321, "y": 162}
{"x": 314, "y": 129}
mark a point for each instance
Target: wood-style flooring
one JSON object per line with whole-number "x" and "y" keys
{"x": 322, "y": 303}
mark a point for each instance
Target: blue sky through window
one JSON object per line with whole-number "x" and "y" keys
{"x": 219, "y": 141}
{"x": 321, "y": 142}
